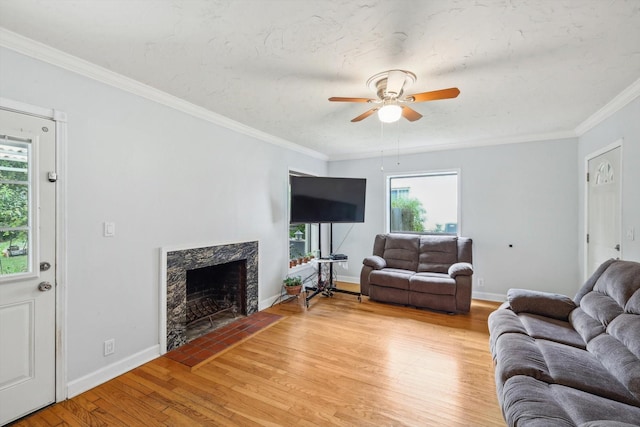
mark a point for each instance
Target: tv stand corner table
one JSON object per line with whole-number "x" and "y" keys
{"x": 325, "y": 284}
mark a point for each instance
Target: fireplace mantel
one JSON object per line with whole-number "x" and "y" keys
{"x": 174, "y": 264}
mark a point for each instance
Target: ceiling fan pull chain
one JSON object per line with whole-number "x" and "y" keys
{"x": 398, "y": 141}
{"x": 382, "y": 145}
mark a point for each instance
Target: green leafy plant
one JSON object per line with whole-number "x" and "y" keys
{"x": 412, "y": 213}
{"x": 292, "y": 281}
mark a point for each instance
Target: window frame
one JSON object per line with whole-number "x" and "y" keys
{"x": 436, "y": 172}
{"x": 312, "y": 230}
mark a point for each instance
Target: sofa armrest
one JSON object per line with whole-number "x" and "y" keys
{"x": 375, "y": 262}
{"x": 460, "y": 269}
{"x": 543, "y": 303}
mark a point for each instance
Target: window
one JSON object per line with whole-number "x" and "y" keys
{"x": 15, "y": 213}
{"x": 397, "y": 193}
{"x": 303, "y": 238}
{"x": 423, "y": 203}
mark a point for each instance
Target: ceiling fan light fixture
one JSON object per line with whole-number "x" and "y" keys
{"x": 390, "y": 113}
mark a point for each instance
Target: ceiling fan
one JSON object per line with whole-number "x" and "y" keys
{"x": 391, "y": 103}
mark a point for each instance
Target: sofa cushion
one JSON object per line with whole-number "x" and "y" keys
{"x": 619, "y": 362}
{"x": 620, "y": 281}
{"x": 543, "y": 303}
{"x": 633, "y": 305}
{"x": 501, "y": 322}
{"x": 437, "y": 253}
{"x": 591, "y": 281}
{"x": 626, "y": 329}
{"x": 580, "y": 369}
{"x": 401, "y": 251}
{"x": 585, "y": 325}
{"x": 541, "y": 327}
{"x": 585, "y": 407}
{"x": 518, "y": 354}
{"x": 527, "y": 402}
{"x": 600, "y": 307}
{"x": 391, "y": 278}
{"x": 432, "y": 283}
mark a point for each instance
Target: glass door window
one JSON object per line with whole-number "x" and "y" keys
{"x": 15, "y": 212}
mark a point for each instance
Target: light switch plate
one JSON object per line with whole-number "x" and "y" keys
{"x": 109, "y": 229}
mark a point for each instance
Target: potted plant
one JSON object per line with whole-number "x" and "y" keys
{"x": 292, "y": 285}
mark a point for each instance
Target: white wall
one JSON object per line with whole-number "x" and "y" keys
{"x": 625, "y": 125}
{"x": 166, "y": 179}
{"x": 520, "y": 194}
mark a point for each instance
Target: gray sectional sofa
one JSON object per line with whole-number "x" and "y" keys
{"x": 571, "y": 362}
{"x": 423, "y": 271}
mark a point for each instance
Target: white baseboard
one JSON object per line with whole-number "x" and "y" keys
{"x": 349, "y": 279}
{"x": 266, "y": 303}
{"x": 109, "y": 372}
{"x": 488, "y": 296}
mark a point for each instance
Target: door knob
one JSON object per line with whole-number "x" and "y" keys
{"x": 617, "y": 247}
{"x": 44, "y": 286}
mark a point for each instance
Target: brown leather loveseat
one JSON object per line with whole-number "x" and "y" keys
{"x": 424, "y": 271}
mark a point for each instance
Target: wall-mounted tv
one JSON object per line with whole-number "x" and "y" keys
{"x": 327, "y": 200}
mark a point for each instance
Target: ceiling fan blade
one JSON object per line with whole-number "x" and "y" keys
{"x": 395, "y": 82}
{"x": 365, "y": 115}
{"x": 341, "y": 99}
{"x": 434, "y": 95}
{"x": 410, "y": 114}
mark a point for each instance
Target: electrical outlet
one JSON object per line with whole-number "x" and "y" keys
{"x": 481, "y": 283}
{"x": 109, "y": 347}
{"x": 631, "y": 233}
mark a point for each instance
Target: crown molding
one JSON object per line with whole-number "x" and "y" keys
{"x": 45, "y": 53}
{"x": 473, "y": 143}
{"x": 613, "y": 106}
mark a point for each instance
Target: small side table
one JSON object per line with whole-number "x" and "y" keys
{"x": 326, "y": 284}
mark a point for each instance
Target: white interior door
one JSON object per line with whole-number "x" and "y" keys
{"x": 603, "y": 204}
{"x": 27, "y": 246}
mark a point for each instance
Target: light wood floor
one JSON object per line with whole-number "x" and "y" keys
{"x": 338, "y": 363}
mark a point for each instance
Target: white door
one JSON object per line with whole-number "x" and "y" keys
{"x": 27, "y": 245}
{"x": 603, "y": 204}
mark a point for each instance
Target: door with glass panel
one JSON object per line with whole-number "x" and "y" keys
{"x": 27, "y": 264}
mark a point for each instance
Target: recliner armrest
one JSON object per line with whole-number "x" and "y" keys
{"x": 460, "y": 269}
{"x": 375, "y": 262}
{"x": 543, "y": 303}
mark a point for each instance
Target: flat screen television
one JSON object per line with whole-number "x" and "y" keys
{"x": 327, "y": 200}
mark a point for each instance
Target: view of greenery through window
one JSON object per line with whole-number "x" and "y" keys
{"x": 424, "y": 203}
{"x": 14, "y": 208}
{"x": 302, "y": 237}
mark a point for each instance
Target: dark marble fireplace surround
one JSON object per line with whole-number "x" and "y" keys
{"x": 180, "y": 261}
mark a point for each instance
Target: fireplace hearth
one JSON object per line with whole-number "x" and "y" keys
{"x": 207, "y": 288}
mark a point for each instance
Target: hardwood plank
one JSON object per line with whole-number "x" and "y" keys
{"x": 340, "y": 363}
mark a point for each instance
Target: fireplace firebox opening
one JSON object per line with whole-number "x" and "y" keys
{"x": 216, "y": 296}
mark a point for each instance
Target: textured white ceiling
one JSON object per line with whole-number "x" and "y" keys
{"x": 524, "y": 67}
